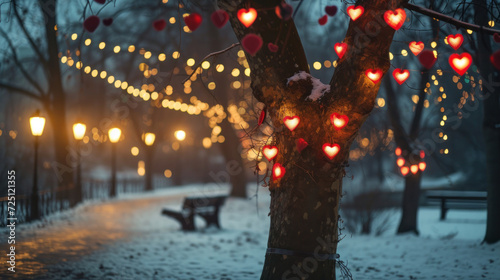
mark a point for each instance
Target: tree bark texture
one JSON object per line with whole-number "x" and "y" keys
{"x": 491, "y": 122}
{"x": 304, "y": 203}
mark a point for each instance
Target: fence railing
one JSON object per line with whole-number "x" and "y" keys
{"x": 52, "y": 201}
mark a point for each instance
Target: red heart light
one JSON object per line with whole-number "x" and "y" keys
{"x": 395, "y": 19}
{"x": 422, "y": 166}
{"x": 495, "y": 59}
{"x": 355, "y": 12}
{"x": 427, "y": 59}
{"x": 247, "y": 16}
{"x": 496, "y": 37}
{"x": 460, "y": 62}
{"x": 331, "y": 150}
{"x": 400, "y": 75}
{"x": 100, "y": 1}
{"x": 291, "y": 122}
{"x": 374, "y": 75}
{"x": 398, "y": 151}
{"x": 272, "y": 47}
{"x": 416, "y": 47}
{"x": 323, "y": 20}
{"x": 455, "y": 41}
{"x": 422, "y": 154}
{"x": 340, "y": 49}
{"x": 301, "y": 144}
{"x": 278, "y": 171}
{"x": 91, "y": 23}
{"x": 107, "y": 21}
{"x": 331, "y": 10}
{"x": 251, "y": 43}
{"x": 193, "y": 21}
{"x": 262, "y": 116}
{"x": 400, "y": 161}
{"x": 284, "y": 11}
{"x": 414, "y": 169}
{"x": 404, "y": 170}
{"x": 270, "y": 152}
{"x": 159, "y": 24}
{"x": 219, "y": 18}
{"x": 338, "y": 120}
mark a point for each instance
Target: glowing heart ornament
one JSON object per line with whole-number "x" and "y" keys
{"x": 270, "y": 152}
{"x": 414, "y": 169}
{"x": 422, "y": 165}
{"x": 338, "y": 121}
{"x": 460, "y": 62}
{"x": 400, "y": 75}
{"x": 247, "y": 16}
{"x": 375, "y": 75}
{"x": 193, "y": 21}
{"x": 416, "y": 47}
{"x": 331, "y": 150}
{"x": 278, "y": 171}
{"x": 91, "y": 23}
{"x": 455, "y": 41}
{"x": 159, "y": 24}
{"x": 355, "y": 12}
{"x": 400, "y": 162}
{"x": 395, "y": 19}
{"x": 404, "y": 170}
{"x": 340, "y": 49}
{"x": 291, "y": 122}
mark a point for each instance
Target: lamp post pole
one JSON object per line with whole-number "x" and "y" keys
{"x": 34, "y": 193}
{"x": 149, "y": 140}
{"x": 79, "y": 134}
{"x": 114, "y": 136}
{"x": 37, "y": 124}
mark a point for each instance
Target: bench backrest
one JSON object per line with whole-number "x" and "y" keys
{"x": 203, "y": 202}
{"x": 467, "y": 195}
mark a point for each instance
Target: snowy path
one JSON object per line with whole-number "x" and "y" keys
{"x": 129, "y": 239}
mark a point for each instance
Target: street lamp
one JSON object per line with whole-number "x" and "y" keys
{"x": 79, "y": 133}
{"x": 149, "y": 140}
{"x": 114, "y": 136}
{"x": 37, "y": 125}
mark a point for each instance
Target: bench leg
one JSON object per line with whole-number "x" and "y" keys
{"x": 443, "y": 209}
{"x": 187, "y": 223}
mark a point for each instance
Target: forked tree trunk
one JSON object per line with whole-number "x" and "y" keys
{"x": 304, "y": 203}
{"x": 409, "y": 211}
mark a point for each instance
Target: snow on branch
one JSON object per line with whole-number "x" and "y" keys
{"x": 319, "y": 89}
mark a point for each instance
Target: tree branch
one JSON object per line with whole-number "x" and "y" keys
{"x": 28, "y": 36}
{"x": 22, "y": 91}
{"x": 19, "y": 64}
{"x": 450, "y": 20}
{"x": 207, "y": 57}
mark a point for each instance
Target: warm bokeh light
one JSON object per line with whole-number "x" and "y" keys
{"x": 79, "y": 130}
{"x": 149, "y": 138}
{"x": 134, "y": 151}
{"x": 180, "y": 135}
{"x": 114, "y": 134}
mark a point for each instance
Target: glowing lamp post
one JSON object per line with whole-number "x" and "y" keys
{"x": 79, "y": 133}
{"x": 114, "y": 136}
{"x": 149, "y": 140}
{"x": 37, "y": 125}
{"x": 180, "y": 135}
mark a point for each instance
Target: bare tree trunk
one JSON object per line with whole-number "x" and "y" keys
{"x": 57, "y": 107}
{"x": 491, "y": 122}
{"x": 304, "y": 203}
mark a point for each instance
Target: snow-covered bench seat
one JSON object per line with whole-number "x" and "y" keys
{"x": 458, "y": 200}
{"x": 206, "y": 207}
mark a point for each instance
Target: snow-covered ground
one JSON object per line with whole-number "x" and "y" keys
{"x": 127, "y": 238}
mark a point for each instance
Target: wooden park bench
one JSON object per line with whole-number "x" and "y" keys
{"x": 206, "y": 207}
{"x": 458, "y": 200}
